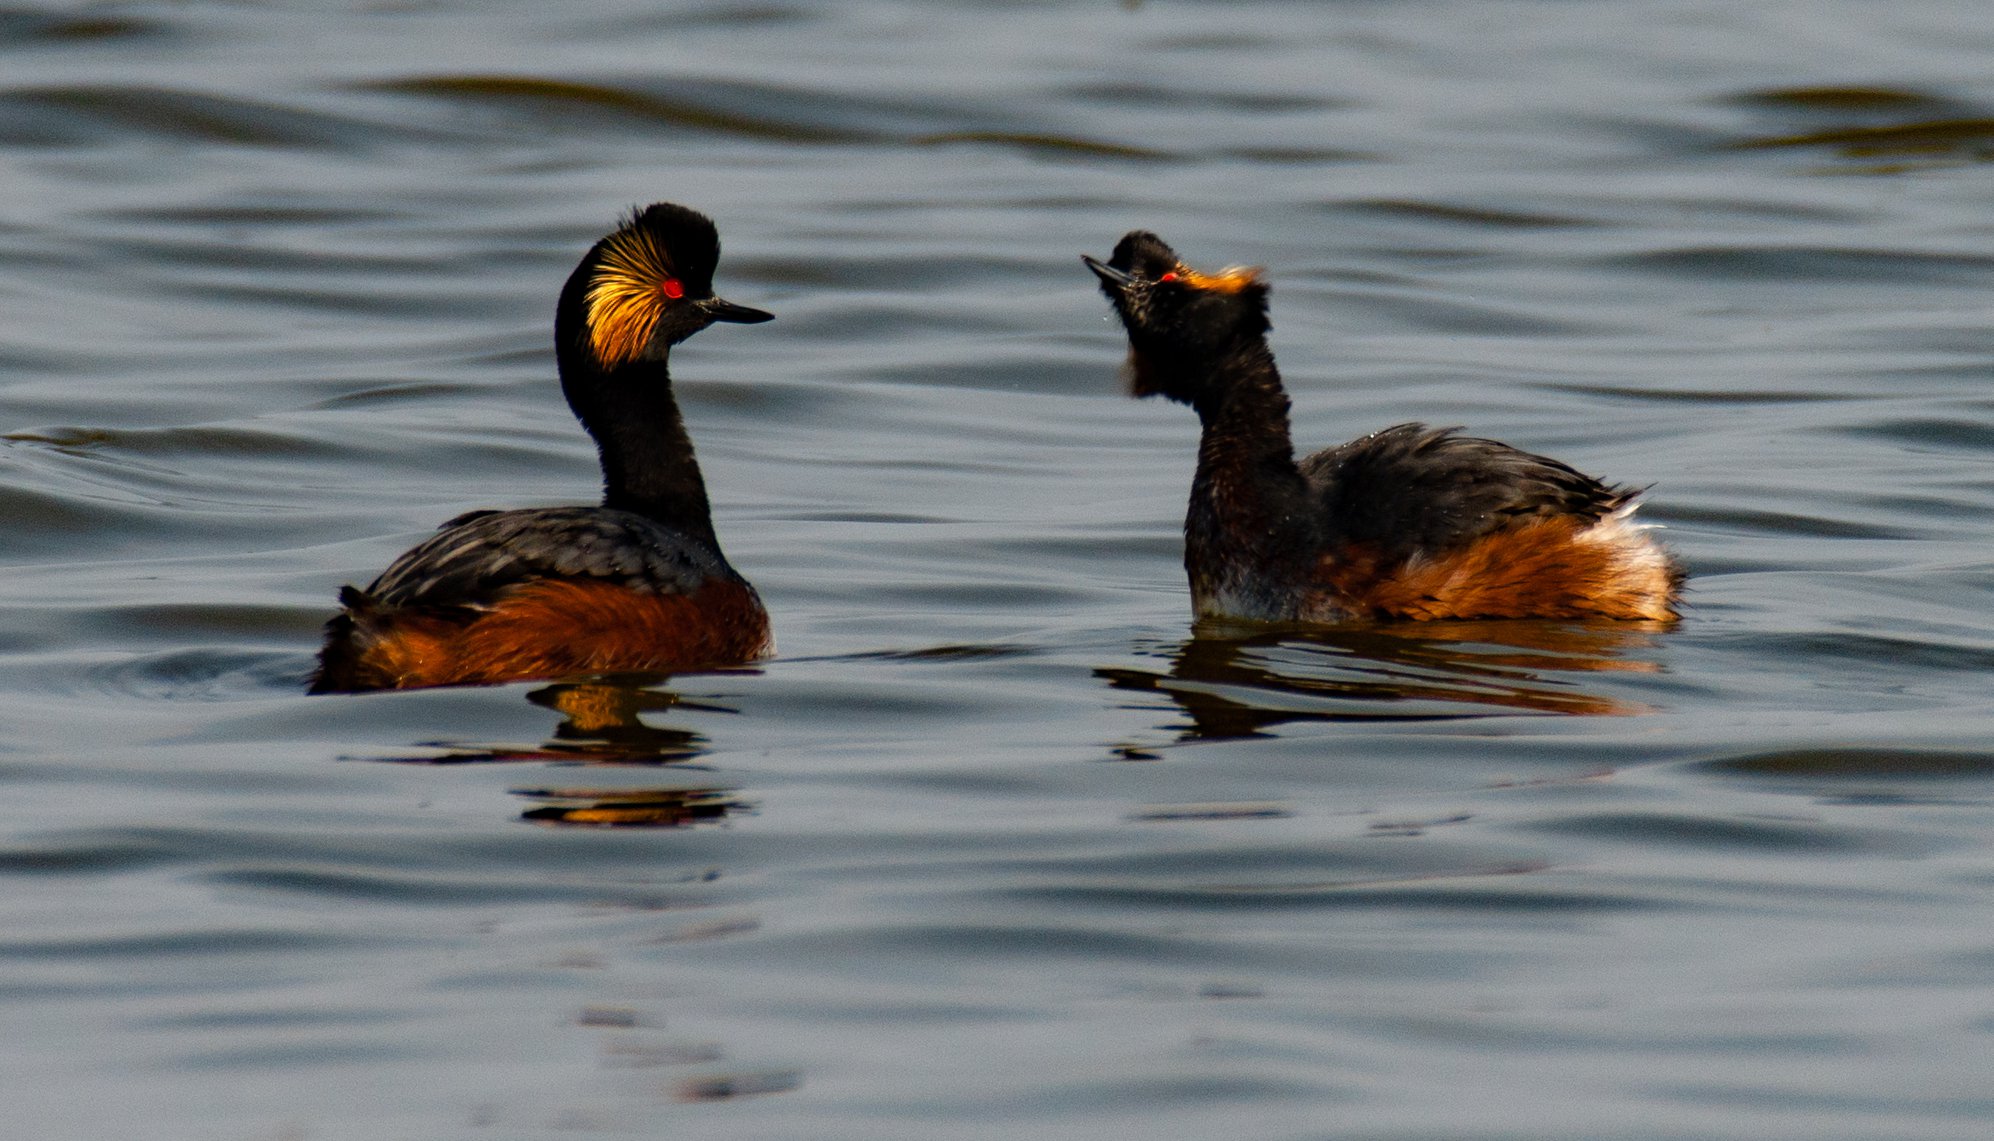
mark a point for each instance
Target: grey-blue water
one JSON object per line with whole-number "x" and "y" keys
{"x": 999, "y": 846}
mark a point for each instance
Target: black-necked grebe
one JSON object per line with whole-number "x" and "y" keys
{"x": 1407, "y": 523}
{"x": 638, "y": 583}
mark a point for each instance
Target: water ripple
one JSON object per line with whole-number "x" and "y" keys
{"x": 1872, "y": 123}
{"x": 1810, "y": 263}
{"x": 204, "y": 942}
{"x": 104, "y": 114}
{"x": 29, "y": 28}
{"x": 1684, "y": 831}
{"x": 629, "y": 105}
{"x": 1859, "y": 763}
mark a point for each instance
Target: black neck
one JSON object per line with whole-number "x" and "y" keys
{"x": 648, "y": 465}
{"x": 1250, "y": 516}
{"x": 1244, "y": 410}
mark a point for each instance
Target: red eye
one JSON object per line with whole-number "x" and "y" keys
{"x": 1168, "y": 277}
{"x": 672, "y": 288}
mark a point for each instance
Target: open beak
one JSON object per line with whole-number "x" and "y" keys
{"x": 722, "y": 310}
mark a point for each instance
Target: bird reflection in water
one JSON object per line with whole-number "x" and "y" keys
{"x": 603, "y": 726}
{"x": 627, "y": 807}
{"x": 1240, "y": 681}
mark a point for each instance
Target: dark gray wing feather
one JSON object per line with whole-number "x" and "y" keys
{"x": 1411, "y": 488}
{"x": 474, "y": 557}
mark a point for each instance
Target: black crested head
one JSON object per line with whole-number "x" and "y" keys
{"x": 644, "y": 288}
{"x": 1144, "y": 254}
{"x": 1183, "y": 325}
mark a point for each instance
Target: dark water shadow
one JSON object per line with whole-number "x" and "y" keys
{"x": 1874, "y": 129}
{"x": 603, "y": 726}
{"x": 1242, "y": 682}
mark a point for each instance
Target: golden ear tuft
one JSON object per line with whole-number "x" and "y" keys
{"x": 625, "y": 297}
{"x": 1231, "y": 279}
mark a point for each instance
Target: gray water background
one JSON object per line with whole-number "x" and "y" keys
{"x": 997, "y": 847}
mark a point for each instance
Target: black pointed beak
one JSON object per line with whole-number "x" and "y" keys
{"x": 1110, "y": 276}
{"x": 722, "y": 310}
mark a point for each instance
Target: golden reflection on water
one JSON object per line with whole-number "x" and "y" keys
{"x": 602, "y": 725}
{"x": 603, "y": 721}
{"x": 1240, "y": 682}
{"x": 627, "y": 807}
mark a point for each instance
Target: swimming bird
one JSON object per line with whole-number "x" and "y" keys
{"x": 637, "y": 583}
{"x": 1406, "y": 523}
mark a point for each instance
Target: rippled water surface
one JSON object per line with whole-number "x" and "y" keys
{"x": 999, "y": 845}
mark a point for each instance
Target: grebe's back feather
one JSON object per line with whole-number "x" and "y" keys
{"x": 1411, "y": 488}
{"x": 475, "y": 557}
